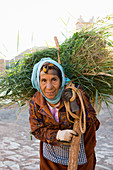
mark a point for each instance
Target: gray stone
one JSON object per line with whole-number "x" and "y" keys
{"x": 100, "y": 155}
{"x": 13, "y": 145}
{"x": 3, "y": 146}
{"x": 9, "y": 163}
{"x": 7, "y": 139}
{"x": 15, "y": 167}
{"x": 109, "y": 160}
{"x": 25, "y": 163}
{"x": 33, "y": 167}
{"x": 102, "y": 167}
{"x": 27, "y": 148}
{"x": 8, "y": 152}
{"x": 16, "y": 158}
{"x": 107, "y": 145}
{"x": 2, "y": 165}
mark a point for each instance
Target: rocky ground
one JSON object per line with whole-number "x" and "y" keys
{"x": 19, "y": 152}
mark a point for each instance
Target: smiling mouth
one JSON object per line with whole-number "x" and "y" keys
{"x": 50, "y": 93}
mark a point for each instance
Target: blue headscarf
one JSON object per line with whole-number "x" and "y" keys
{"x": 36, "y": 78}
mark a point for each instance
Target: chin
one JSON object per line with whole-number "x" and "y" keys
{"x": 50, "y": 97}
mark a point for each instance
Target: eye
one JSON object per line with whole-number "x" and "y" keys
{"x": 43, "y": 80}
{"x": 54, "y": 79}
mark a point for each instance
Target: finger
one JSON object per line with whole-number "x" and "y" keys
{"x": 66, "y": 95}
{"x": 75, "y": 134}
{"x": 69, "y": 90}
{"x": 64, "y": 141}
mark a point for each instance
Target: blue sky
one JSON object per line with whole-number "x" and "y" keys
{"x": 38, "y": 21}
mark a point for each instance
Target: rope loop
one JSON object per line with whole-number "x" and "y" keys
{"x": 75, "y": 92}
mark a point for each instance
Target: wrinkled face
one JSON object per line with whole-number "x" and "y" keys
{"x": 49, "y": 83}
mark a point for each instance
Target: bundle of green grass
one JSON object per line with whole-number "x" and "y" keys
{"x": 87, "y": 59}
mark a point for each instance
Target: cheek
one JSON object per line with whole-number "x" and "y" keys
{"x": 58, "y": 86}
{"x": 42, "y": 86}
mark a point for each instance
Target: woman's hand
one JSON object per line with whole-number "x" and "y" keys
{"x": 66, "y": 96}
{"x": 65, "y": 135}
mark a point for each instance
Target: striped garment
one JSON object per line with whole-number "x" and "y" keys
{"x": 60, "y": 154}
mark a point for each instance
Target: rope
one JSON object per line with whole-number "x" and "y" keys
{"x": 75, "y": 92}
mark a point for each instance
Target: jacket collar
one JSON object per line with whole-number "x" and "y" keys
{"x": 40, "y": 100}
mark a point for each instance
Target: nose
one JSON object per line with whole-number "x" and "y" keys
{"x": 49, "y": 85}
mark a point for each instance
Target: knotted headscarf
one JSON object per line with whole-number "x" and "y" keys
{"x": 35, "y": 79}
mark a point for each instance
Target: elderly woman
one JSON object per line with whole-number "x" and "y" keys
{"x": 49, "y": 122}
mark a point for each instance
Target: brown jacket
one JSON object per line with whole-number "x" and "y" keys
{"x": 43, "y": 125}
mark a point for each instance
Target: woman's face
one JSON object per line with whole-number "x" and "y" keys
{"x": 49, "y": 83}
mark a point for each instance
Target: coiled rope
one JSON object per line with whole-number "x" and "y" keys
{"x": 76, "y": 91}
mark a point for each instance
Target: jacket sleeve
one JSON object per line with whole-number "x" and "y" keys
{"x": 38, "y": 127}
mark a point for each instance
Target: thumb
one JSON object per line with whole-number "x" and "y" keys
{"x": 73, "y": 132}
